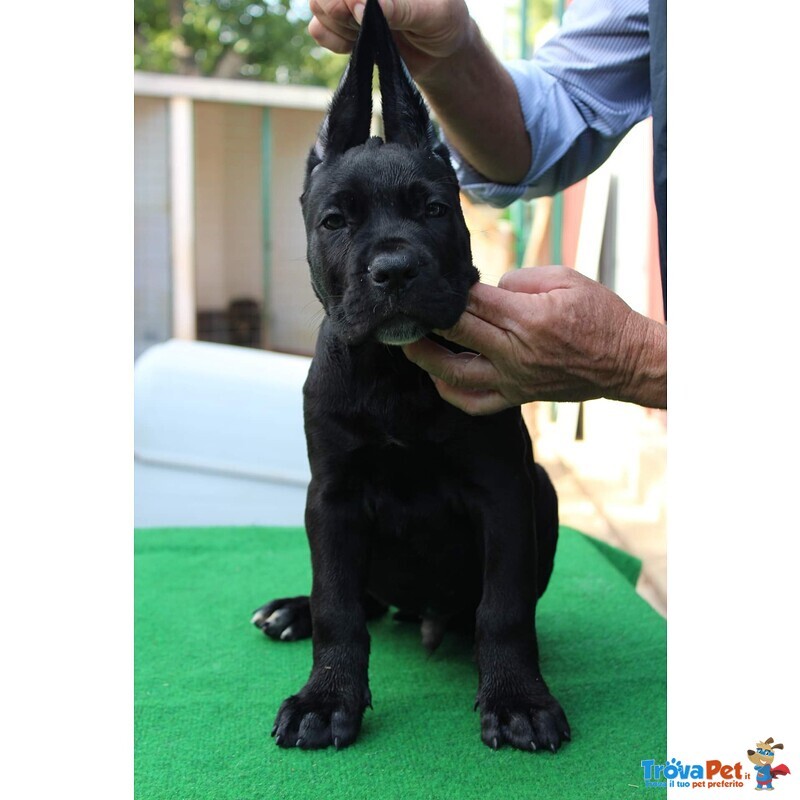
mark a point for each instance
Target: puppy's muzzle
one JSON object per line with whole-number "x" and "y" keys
{"x": 393, "y": 272}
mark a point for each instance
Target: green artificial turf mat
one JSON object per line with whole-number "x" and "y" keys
{"x": 208, "y": 684}
{"x": 628, "y": 566}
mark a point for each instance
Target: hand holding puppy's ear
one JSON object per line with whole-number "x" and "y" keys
{"x": 405, "y": 116}
{"x": 335, "y": 23}
{"x": 425, "y": 30}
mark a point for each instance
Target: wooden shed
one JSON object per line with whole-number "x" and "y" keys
{"x": 219, "y": 242}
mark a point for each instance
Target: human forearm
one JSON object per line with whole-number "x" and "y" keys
{"x": 476, "y": 102}
{"x": 473, "y": 96}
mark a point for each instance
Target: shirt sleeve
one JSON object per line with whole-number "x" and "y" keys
{"x": 580, "y": 94}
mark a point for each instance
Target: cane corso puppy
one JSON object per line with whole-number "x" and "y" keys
{"x": 412, "y": 503}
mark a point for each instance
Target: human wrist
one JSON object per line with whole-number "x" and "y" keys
{"x": 475, "y": 100}
{"x": 437, "y": 74}
{"x": 643, "y": 362}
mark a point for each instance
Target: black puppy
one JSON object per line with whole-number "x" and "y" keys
{"x": 412, "y": 503}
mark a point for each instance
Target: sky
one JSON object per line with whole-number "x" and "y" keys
{"x": 486, "y": 14}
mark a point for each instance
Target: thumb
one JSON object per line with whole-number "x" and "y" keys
{"x": 396, "y": 12}
{"x": 424, "y": 16}
{"x": 536, "y": 280}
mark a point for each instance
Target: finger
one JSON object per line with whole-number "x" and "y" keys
{"x": 397, "y": 13}
{"x": 338, "y": 14}
{"x": 461, "y": 370}
{"x": 328, "y": 39}
{"x": 495, "y": 306}
{"x": 534, "y": 280}
{"x": 474, "y": 402}
{"x": 418, "y": 16}
{"x": 483, "y": 335}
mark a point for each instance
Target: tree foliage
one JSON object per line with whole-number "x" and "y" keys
{"x": 540, "y": 13}
{"x": 257, "y": 39}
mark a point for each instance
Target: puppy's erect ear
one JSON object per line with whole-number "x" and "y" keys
{"x": 350, "y": 115}
{"x": 405, "y": 117}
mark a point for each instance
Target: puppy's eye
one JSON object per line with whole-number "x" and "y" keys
{"x": 334, "y": 222}
{"x": 435, "y": 210}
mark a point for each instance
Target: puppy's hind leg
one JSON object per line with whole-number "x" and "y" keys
{"x": 546, "y": 510}
{"x": 286, "y": 619}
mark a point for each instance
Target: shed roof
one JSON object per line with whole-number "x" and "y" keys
{"x": 220, "y": 90}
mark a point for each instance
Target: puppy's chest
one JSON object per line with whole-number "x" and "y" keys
{"x": 407, "y": 483}
{"x": 401, "y": 426}
{"x": 395, "y": 459}
{"x": 390, "y": 440}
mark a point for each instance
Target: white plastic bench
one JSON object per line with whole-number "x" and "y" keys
{"x": 219, "y": 436}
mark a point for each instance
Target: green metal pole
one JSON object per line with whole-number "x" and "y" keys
{"x": 557, "y": 213}
{"x": 520, "y": 215}
{"x": 523, "y": 32}
{"x": 557, "y": 216}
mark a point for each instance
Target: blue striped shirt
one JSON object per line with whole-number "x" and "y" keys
{"x": 580, "y": 94}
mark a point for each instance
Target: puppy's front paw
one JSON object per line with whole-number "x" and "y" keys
{"x": 312, "y": 720}
{"x": 286, "y": 619}
{"x": 528, "y": 721}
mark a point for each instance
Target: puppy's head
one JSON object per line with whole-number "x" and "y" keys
{"x": 387, "y": 245}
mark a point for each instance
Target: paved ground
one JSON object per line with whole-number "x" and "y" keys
{"x": 626, "y": 511}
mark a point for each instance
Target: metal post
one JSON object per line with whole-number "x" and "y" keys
{"x": 557, "y": 212}
{"x": 520, "y": 210}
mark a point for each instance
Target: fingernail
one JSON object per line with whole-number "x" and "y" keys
{"x": 388, "y": 9}
{"x": 358, "y": 12}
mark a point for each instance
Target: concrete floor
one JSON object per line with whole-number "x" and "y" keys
{"x": 623, "y": 508}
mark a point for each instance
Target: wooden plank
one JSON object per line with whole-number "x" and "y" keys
{"x": 220, "y": 90}
{"x": 587, "y": 262}
{"x": 181, "y": 156}
{"x": 593, "y": 223}
{"x": 537, "y": 239}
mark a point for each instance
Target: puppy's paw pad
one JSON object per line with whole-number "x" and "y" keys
{"x": 286, "y": 619}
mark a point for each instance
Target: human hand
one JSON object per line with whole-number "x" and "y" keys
{"x": 425, "y": 30}
{"x": 546, "y": 333}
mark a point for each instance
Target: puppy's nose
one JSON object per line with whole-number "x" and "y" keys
{"x": 393, "y": 271}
